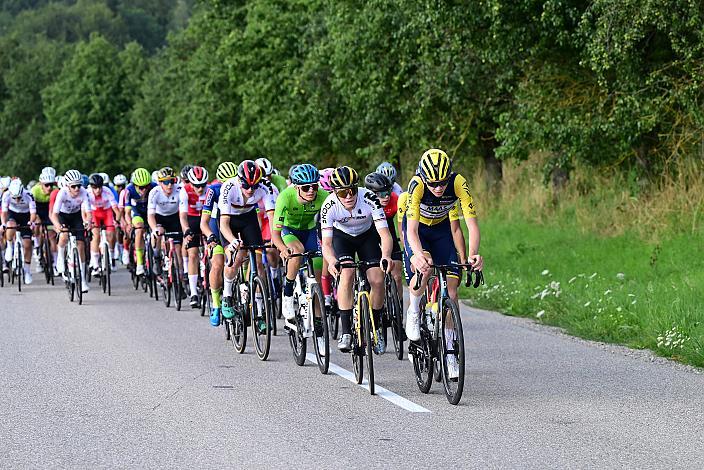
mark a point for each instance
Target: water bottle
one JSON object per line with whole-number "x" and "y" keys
{"x": 244, "y": 293}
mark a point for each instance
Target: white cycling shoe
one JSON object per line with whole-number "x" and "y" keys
{"x": 287, "y": 307}
{"x": 412, "y": 325}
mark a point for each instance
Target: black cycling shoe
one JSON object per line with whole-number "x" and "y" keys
{"x": 195, "y": 301}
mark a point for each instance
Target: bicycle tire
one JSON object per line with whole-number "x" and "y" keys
{"x": 368, "y": 335}
{"x": 239, "y": 332}
{"x": 395, "y": 314}
{"x": 322, "y": 357}
{"x": 176, "y": 284}
{"x": 453, "y": 388}
{"x": 108, "y": 275}
{"x": 165, "y": 284}
{"x": 298, "y": 342}
{"x": 70, "y": 284}
{"x": 77, "y": 276}
{"x": 19, "y": 263}
{"x": 2, "y": 266}
{"x": 334, "y": 320}
{"x": 262, "y": 341}
{"x": 103, "y": 274}
{"x": 422, "y": 353}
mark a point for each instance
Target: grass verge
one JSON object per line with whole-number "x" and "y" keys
{"x": 619, "y": 289}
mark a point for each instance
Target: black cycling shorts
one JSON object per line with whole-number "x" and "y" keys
{"x": 22, "y": 220}
{"x": 73, "y": 222}
{"x": 43, "y": 212}
{"x": 171, "y": 223}
{"x": 246, "y": 226}
{"x": 366, "y": 246}
{"x": 194, "y": 225}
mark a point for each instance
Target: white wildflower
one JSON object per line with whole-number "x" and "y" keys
{"x": 540, "y": 313}
{"x": 545, "y": 272}
{"x": 588, "y": 304}
{"x": 620, "y": 276}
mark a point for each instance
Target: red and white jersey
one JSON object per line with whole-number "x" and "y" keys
{"x": 103, "y": 201}
{"x": 122, "y": 198}
{"x": 190, "y": 202}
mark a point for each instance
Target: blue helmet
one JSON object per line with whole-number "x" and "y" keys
{"x": 388, "y": 170}
{"x": 305, "y": 173}
{"x": 84, "y": 180}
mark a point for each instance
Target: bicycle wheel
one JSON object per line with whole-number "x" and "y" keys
{"x": 176, "y": 284}
{"x": 165, "y": 284}
{"x": 357, "y": 358}
{"x": 452, "y": 345}
{"x": 368, "y": 335}
{"x": 18, "y": 267}
{"x": 103, "y": 275}
{"x": 320, "y": 331}
{"x": 238, "y": 334}
{"x": 261, "y": 317}
{"x": 2, "y": 267}
{"x": 77, "y": 276}
{"x": 298, "y": 341}
{"x": 395, "y": 315}
{"x": 108, "y": 274}
{"x": 422, "y": 353}
{"x": 333, "y": 320}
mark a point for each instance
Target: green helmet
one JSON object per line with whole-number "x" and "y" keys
{"x": 141, "y": 177}
{"x": 226, "y": 171}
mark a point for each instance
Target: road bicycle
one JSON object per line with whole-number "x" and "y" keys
{"x": 17, "y": 262}
{"x": 105, "y": 261}
{"x": 393, "y": 315}
{"x": 170, "y": 279}
{"x": 251, "y": 305}
{"x": 46, "y": 257}
{"x": 275, "y": 284}
{"x": 72, "y": 267}
{"x": 364, "y": 336}
{"x": 310, "y": 316}
{"x": 441, "y": 335}
{"x": 203, "y": 289}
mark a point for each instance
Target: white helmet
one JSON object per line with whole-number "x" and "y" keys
{"x": 4, "y": 182}
{"x": 119, "y": 180}
{"x": 48, "y": 175}
{"x": 72, "y": 177}
{"x": 60, "y": 181}
{"x": 15, "y": 187}
{"x": 155, "y": 176}
{"x": 106, "y": 178}
{"x": 265, "y": 165}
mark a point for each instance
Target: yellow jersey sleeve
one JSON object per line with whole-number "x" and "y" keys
{"x": 465, "y": 199}
{"x": 416, "y": 188}
{"x": 402, "y": 204}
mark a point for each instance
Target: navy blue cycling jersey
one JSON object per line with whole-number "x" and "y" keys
{"x": 212, "y": 195}
{"x": 136, "y": 202}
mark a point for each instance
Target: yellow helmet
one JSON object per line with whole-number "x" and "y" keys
{"x": 435, "y": 165}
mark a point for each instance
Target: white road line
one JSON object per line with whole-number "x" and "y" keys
{"x": 397, "y": 400}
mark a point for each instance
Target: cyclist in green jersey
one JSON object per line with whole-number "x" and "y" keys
{"x": 42, "y": 196}
{"x": 294, "y": 228}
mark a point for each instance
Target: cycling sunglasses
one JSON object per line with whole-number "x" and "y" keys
{"x": 203, "y": 185}
{"x": 48, "y": 185}
{"x": 383, "y": 194}
{"x": 308, "y": 187}
{"x": 75, "y": 186}
{"x": 437, "y": 184}
{"x": 345, "y": 192}
{"x": 168, "y": 182}
{"x": 142, "y": 188}
{"x": 248, "y": 186}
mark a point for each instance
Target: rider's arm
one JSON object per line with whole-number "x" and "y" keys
{"x": 205, "y": 223}
{"x": 470, "y": 217}
{"x": 326, "y": 226}
{"x": 225, "y": 227}
{"x": 415, "y": 194}
{"x": 4, "y": 209}
{"x": 86, "y": 211}
{"x": 151, "y": 210}
{"x": 278, "y": 221}
{"x": 328, "y": 250}
{"x": 183, "y": 209}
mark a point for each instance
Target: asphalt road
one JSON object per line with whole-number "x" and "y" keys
{"x": 125, "y": 382}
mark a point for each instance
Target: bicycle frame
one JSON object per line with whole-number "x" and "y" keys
{"x": 308, "y": 273}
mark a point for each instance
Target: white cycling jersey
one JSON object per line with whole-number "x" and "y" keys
{"x": 353, "y": 222}
{"x": 397, "y": 189}
{"x": 106, "y": 200}
{"x": 274, "y": 193}
{"x": 161, "y": 204}
{"x": 232, "y": 201}
{"x": 23, "y": 205}
{"x": 67, "y": 204}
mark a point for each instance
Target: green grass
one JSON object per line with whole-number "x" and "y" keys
{"x": 618, "y": 290}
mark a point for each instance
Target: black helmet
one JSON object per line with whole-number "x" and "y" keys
{"x": 184, "y": 172}
{"x": 95, "y": 180}
{"x": 377, "y": 182}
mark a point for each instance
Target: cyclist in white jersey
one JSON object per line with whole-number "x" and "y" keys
{"x": 18, "y": 210}
{"x": 162, "y": 212}
{"x": 239, "y": 198}
{"x": 72, "y": 211}
{"x": 353, "y": 223}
